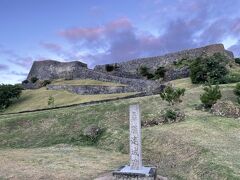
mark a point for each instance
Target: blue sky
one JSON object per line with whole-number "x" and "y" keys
{"x": 99, "y": 32}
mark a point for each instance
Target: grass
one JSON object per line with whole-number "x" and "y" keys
{"x": 204, "y": 146}
{"x": 84, "y": 82}
{"x": 38, "y": 99}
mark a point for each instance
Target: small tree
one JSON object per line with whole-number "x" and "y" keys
{"x": 204, "y": 68}
{"x": 211, "y": 95}
{"x": 8, "y": 93}
{"x": 237, "y": 92}
{"x": 172, "y": 95}
{"x": 51, "y": 101}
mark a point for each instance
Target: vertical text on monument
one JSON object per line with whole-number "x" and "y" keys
{"x": 135, "y": 138}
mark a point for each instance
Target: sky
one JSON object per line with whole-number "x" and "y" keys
{"x": 105, "y": 31}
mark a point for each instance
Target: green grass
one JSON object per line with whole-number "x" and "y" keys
{"x": 38, "y": 99}
{"x": 203, "y": 146}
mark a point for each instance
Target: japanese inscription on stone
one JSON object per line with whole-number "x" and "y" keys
{"x": 135, "y": 138}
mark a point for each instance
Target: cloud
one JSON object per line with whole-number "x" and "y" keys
{"x": 18, "y": 73}
{"x": 180, "y": 24}
{"x": 51, "y": 46}
{"x": 3, "y": 67}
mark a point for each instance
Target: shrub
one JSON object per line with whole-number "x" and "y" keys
{"x": 173, "y": 115}
{"x": 159, "y": 73}
{"x": 172, "y": 95}
{"x": 51, "y": 101}
{"x": 182, "y": 63}
{"x": 25, "y": 82}
{"x": 237, "y": 60}
{"x": 46, "y": 82}
{"x": 237, "y": 90}
{"x": 8, "y": 93}
{"x": 109, "y": 67}
{"x": 144, "y": 70}
{"x": 204, "y": 68}
{"x": 211, "y": 95}
{"x": 232, "y": 78}
{"x": 34, "y": 79}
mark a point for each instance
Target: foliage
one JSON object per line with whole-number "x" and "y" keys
{"x": 170, "y": 114}
{"x": 159, "y": 73}
{"x": 213, "y": 68}
{"x": 231, "y": 77}
{"x": 237, "y": 60}
{"x": 109, "y": 67}
{"x": 51, "y": 101}
{"x": 172, "y": 95}
{"x": 25, "y": 81}
{"x": 182, "y": 63}
{"x": 211, "y": 95}
{"x": 8, "y": 93}
{"x": 237, "y": 92}
{"x": 46, "y": 82}
{"x": 34, "y": 79}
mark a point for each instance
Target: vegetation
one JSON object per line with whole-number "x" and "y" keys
{"x": 25, "y": 81}
{"x": 34, "y": 79}
{"x": 204, "y": 68}
{"x": 109, "y": 67}
{"x": 182, "y": 63}
{"x": 172, "y": 95}
{"x": 237, "y": 92}
{"x": 53, "y": 142}
{"x": 46, "y": 82}
{"x": 211, "y": 95}
{"x": 51, "y": 101}
{"x": 237, "y": 60}
{"x": 8, "y": 93}
{"x": 159, "y": 73}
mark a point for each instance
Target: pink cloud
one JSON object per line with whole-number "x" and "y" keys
{"x": 51, "y": 46}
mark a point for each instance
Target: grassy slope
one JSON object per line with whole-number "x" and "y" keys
{"x": 38, "y": 99}
{"x": 202, "y": 147}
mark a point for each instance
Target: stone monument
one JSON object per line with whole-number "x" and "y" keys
{"x": 135, "y": 170}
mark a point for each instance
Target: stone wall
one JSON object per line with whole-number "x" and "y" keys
{"x": 50, "y": 69}
{"x": 91, "y": 89}
{"x": 128, "y": 68}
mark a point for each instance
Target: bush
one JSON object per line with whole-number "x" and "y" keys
{"x": 109, "y": 67}
{"x": 211, "y": 95}
{"x": 173, "y": 115}
{"x": 237, "y": 90}
{"x": 211, "y": 68}
{"x": 172, "y": 95}
{"x": 51, "y": 101}
{"x": 159, "y": 73}
{"x": 46, "y": 82}
{"x": 232, "y": 78}
{"x": 34, "y": 79}
{"x": 237, "y": 60}
{"x": 25, "y": 82}
{"x": 8, "y": 93}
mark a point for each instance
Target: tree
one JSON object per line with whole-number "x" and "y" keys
{"x": 211, "y": 95}
{"x": 213, "y": 68}
{"x": 172, "y": 95}
{"x": 159, "y": 73}
{"x": 8, "y": 93}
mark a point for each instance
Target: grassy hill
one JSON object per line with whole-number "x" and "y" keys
{"x": 38, "y": 98}
{"x": 49, "y": 144}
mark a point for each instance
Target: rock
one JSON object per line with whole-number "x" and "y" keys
{"x": 92, "y": 131}
{"x": 226, "y": 109}
{"x": 128, "y": 68}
